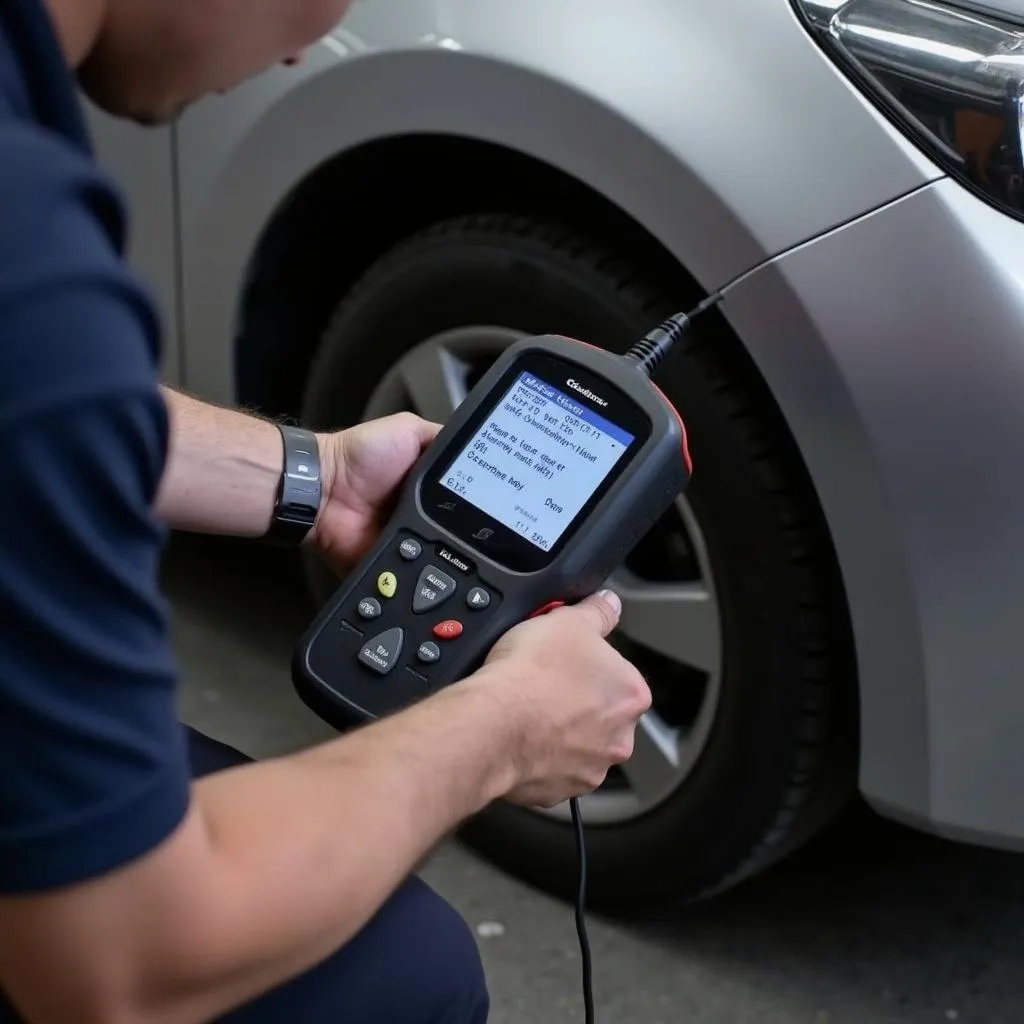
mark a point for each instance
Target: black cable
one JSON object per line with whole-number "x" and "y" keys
{"x": 648, "y": 353}
{"x": 651, "y": 350}
{"x": 581, "y": 909}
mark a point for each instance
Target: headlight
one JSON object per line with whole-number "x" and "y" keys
{"x": 953, "y": 79}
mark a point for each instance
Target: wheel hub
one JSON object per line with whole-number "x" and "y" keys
{"x": 670, "y": 625}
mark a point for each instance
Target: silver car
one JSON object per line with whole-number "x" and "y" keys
{"x": 837, "y": 603}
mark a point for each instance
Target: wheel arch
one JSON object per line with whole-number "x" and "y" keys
{"x": 256, "y": 287}
{"x": 296, "y": 272}
{"x": 415, "y": 98}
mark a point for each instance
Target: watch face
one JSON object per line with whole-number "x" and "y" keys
{"x": 518, "y": 479}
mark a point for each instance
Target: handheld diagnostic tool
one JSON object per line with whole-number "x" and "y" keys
{"x": 550, "y": 471}
{"x": 539, "y": 485}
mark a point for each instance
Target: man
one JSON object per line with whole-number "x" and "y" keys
{"x": 131, "y": 891}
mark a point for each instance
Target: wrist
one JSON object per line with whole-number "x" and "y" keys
{"x": 503, "y": 718}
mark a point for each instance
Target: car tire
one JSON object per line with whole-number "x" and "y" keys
{"x": 779, "y": 759}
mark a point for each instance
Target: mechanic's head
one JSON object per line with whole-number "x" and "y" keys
{"x": 148, "y": 59}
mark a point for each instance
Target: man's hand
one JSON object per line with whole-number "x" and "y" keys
{"x": 576, "y": 699}
{"x": 363, "y": 469}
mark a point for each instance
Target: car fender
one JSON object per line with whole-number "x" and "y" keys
{"x": 703, "y": 122}
{"x": 901, "y": 379}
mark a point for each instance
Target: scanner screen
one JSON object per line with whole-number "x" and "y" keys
{"x": 537, "y": 459}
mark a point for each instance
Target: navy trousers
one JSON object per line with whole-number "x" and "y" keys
{"x": 415, "y": 962}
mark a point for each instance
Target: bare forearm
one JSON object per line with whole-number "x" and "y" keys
{"x": 310, "y": 848}
{"x": 222, "y": 471}
{"x": 278, "y": 865}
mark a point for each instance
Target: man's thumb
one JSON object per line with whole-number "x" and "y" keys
{"x": 604, "y": 607}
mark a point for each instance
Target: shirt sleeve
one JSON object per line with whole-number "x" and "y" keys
{"x": 93, "y": 765}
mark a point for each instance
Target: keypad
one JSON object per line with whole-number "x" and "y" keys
{"x": 397, "y": 621}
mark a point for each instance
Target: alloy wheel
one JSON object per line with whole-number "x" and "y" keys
{"x": 670, "y": 625}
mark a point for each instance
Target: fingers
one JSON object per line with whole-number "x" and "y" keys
{"x": 425, "y": 430}
{"x": 428, "y": 431}
{"x": 602, "y": 609}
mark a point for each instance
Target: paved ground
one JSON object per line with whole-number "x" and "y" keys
{"x": 872, "y": 925}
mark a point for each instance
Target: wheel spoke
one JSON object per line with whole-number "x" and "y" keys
{"x": 677, "y": 620}
{"x": 435, "y": 380}
{"x": 653, "y": 769}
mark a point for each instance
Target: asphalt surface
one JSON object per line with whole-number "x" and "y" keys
{"x": 872, "y": 924}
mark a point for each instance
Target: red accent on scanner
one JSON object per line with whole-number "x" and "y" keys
{"x": 682, "y": 426}
{"x": 544, "y": 609}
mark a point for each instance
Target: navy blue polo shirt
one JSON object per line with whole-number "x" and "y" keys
{"x": 93, "y": 762}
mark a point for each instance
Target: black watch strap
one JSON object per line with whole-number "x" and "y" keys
{"x": 299, "y": 492}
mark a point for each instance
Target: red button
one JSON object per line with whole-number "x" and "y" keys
{"x": 549, "y": 607}
{"x": 448, "y": 630}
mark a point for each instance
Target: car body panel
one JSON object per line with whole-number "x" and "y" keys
{"x": 902, "y": 383}
{"x": 603, "y": 98}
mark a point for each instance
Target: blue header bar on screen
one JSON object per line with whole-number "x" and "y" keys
{"x": 563, "y": 401}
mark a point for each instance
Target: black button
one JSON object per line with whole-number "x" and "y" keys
{"x": 478, "y": 599}
{"x": 432, "y": 588}
{"x": 369, "y": 608}
{"x": 428, "y": 653}
{"x": 381, "y": 653}
{"x": 410, "y": 549}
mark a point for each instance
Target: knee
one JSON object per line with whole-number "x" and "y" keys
{"x": 444, "y": 959}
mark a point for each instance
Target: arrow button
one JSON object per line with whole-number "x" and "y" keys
{"x": 432, "y": 588}
{"x": 381, "y": 653}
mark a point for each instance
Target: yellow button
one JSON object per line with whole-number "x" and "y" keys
{"x": 387, "y": 584}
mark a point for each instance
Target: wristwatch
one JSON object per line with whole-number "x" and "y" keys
{"x": 299, "y": 492}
